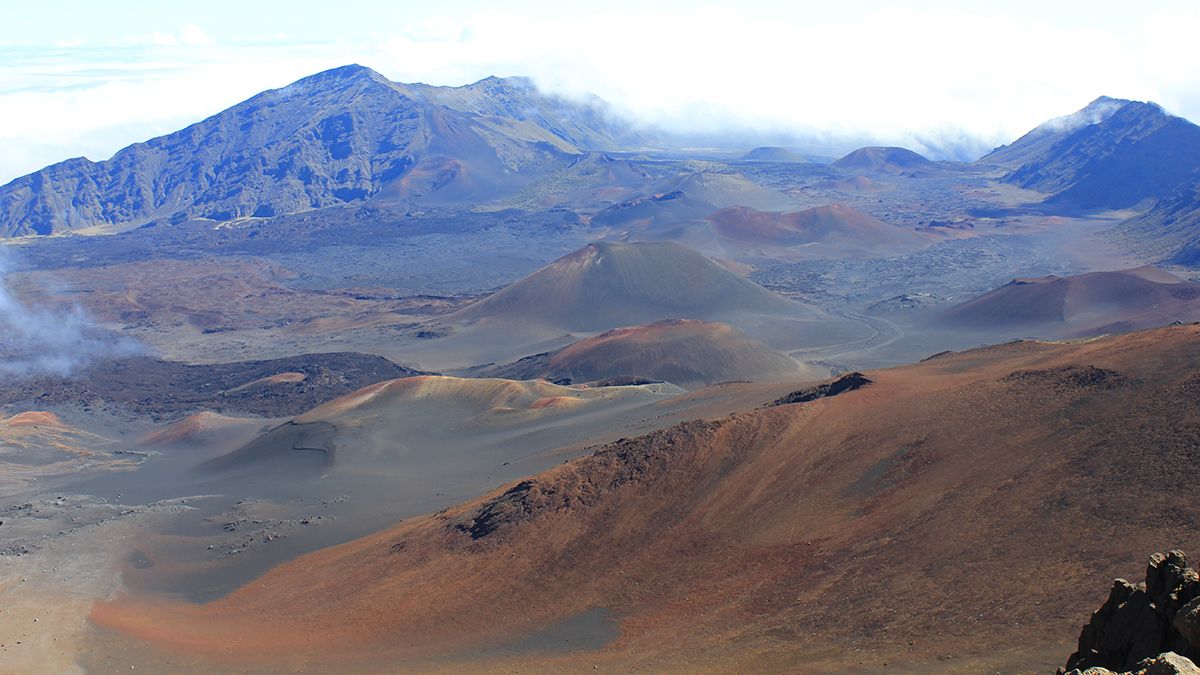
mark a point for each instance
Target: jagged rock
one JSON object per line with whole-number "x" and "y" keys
{"x": 506, "y": 509}
{"x": 1187, "y": 622}
{"x": 1139, "y": 622}
{"x": 1068, "y": 378}
{"x": 845, "y": 383}
{"x": 1166, "y": 574}
{"x": 1168, "y": 663}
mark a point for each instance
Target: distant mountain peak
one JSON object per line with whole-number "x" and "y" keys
{"x": 1098, "y": 110}
{"x": 1102, "y": 103}
{"x": 343, "y": 135}
{"x": 1038, "y": 139}
{"x": 332, "y": 84}
{"x": 348, "y": 70}
{"x": 1113, "y": 153}
{"x": 1095, "y": 112}
{"x": 344, "y": 73}
{"x": 516, "y": 81}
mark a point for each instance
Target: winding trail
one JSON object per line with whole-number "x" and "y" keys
{"x": 884, "y": 333}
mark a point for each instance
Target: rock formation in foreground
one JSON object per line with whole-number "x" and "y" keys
{"x": 1146, "y": 628}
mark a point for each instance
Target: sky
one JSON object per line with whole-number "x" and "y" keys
{"x": 951, "y": 79}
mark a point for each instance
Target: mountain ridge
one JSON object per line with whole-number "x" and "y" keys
{"x": 1112, "y": 154}
{"x": 344, "y": 135}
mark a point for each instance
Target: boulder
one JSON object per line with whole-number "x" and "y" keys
{"x": 1187, "y": 622}
{"x": 1168, "y": 663}
{"x": 1140, "y": 622}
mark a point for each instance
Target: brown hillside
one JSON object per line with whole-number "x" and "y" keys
{"x": 683, "y": 352}
{"x": 835, "y": 225}
{"x": 1091, "y": 303}
{"x": 605, "y": 285}
{"x": 952, "y": 515}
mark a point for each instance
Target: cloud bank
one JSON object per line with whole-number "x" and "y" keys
{"x": 948, "y": 79}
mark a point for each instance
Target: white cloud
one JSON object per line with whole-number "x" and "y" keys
{"x": 937, "y": 78}
{"x": 189, "y": 35}
{"x": 898, "y": 75}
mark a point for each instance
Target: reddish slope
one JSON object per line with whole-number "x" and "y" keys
{"x": 951, "y": 516}
{"x": 606, "y": 285}
{"x": 835, "y": 226}
{"x": 1085, "y": 304}
{"x": 679, "y": 351}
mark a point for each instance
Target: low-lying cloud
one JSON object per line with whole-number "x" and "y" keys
{"x": 44, "y": 341}
{"x": 949, "y": 79}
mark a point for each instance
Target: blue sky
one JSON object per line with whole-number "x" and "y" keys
{"x": 86, "y": 78}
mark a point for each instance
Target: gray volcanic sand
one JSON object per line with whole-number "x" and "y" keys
{"x": 355, "y": 466}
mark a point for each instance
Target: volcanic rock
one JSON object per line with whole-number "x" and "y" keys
{"x": 845, "y": 383}
{"x": 1138, "y": 621}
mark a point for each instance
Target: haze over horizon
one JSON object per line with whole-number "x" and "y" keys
{"x": 959, "y": 78}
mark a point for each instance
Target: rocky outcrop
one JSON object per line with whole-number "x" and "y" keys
{"x": 512, "y": 506}
{"x": 1138, "y": 625}
{"x": 845, "y": 383}
{"x": 583, "y": 484}
{"x": 1187, "y": 621}
{"x": 1169, "y": 663}
{"x": 1068, "y": 378}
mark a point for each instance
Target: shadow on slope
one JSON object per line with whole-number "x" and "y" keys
{"x": 825, "y": 535}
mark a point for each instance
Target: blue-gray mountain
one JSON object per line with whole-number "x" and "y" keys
{"x": 1112, "y": 154}
{"x": 1170, "y": 230}
{"x": 343, "y": 135}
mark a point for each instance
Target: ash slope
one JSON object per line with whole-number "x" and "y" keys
{"x": 935, "y": 483}
{"x": 442, "y": 426}
{"x": 37, "y": 448}
{"x": 606, "y": 285}
{"x": 683, "y": 352}
{"x": 877, "y": 159}
{"x": 1085, "y": 304}
{"x": 835, "y": 230}
{"x": 343, "y": 135}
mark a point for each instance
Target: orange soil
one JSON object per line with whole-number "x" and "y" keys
{"x": 34, "y": 418}
{"x": 967, "y": 509}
